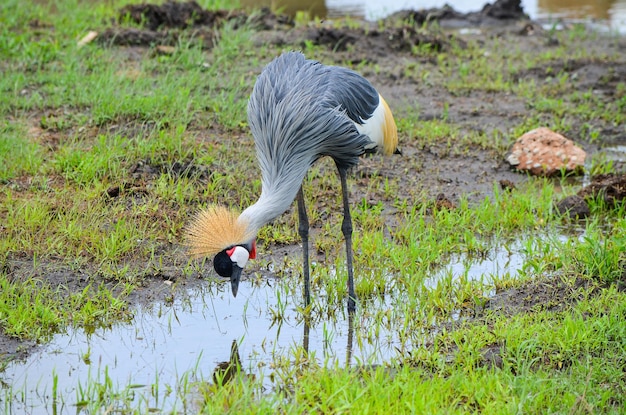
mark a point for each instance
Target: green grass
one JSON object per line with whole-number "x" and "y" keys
{"x": 169, "y": 133}
{"x": 34, "y": 310}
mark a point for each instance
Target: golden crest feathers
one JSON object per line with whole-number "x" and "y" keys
{"x": 215, "y": 229}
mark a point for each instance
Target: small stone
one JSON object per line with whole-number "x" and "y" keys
{"x": 543, "y": 152}
{"x": 88, "y": 38}
{"x": 442, "y": 202}
{"x": 573, "y": 206}
{"x": 507, "y": 185}
{"x": 165, "y": 50}
{"x": 113, "y": 191}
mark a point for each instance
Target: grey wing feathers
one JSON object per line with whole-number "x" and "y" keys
{"x": 340, "y": 87}
{"x": 353, "y": 92}
{"x": 300, "y": 103}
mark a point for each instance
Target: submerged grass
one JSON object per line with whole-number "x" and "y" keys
{"x": 106, "y": 151}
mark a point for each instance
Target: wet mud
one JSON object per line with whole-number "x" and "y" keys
{"x": 607, "y": 189}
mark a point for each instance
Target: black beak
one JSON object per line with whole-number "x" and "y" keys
{"x": 234, "y": 279}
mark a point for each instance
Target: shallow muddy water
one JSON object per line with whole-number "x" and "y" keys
{"x": 500, "y": 261}
{"x": 168, "y": 345}
{"x": 611, "y": 12}
{"x": 165, "y": 343}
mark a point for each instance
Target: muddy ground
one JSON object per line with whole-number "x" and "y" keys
{"x": 446, "y": 172}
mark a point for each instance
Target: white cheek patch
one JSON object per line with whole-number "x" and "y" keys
{"x": 373, "y": 127}
{"x": 240, "y": 256}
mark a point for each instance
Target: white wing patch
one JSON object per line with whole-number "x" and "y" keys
{"x": 374, "y": 127}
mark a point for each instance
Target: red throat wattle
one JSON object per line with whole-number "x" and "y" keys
{"x": 253, "y": 250}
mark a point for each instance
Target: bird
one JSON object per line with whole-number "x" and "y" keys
{"x": 224, "y": 372}
{"x": 299, "y": 111}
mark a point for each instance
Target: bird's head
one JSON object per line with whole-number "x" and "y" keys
{"x": 229, "y": 262}
{"x": 221, "y": 232}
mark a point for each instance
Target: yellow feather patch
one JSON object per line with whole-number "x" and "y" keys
{"x": 390, "y": 131}
{"x": 215, "y": 229}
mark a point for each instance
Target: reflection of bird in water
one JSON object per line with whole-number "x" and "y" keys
{"x": 299, "y": 111}
{"x": 225, "y": 371}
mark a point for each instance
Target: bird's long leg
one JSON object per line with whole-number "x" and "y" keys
{"x": 303, "y": 229}
{"x": 346, "y": 227}
{"x": 307, "y": 330}
{"x": 350, "y": 339}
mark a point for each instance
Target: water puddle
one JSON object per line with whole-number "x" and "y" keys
{"x": 616, "y": 152}
{"x": 503, "y": 260}
{"x": 167, "y": 346}
{"x": 166, "y": 343}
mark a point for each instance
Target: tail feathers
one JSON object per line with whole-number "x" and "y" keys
{"x": 390, "y": 131}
